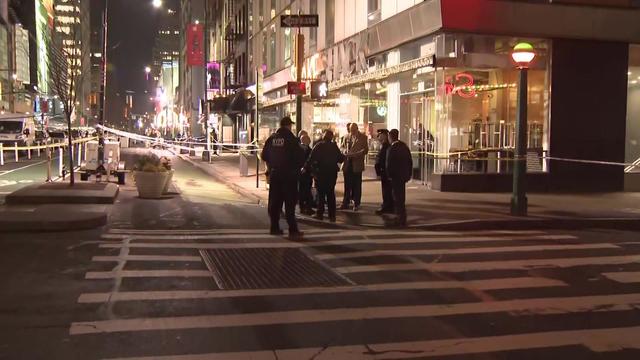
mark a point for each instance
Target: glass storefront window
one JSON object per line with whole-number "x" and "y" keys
{"x": 632, "y": 148}
{"x": 473, "y": 125}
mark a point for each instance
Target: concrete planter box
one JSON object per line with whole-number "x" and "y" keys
{"x": 150, "y": 185}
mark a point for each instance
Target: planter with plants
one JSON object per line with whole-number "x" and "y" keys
{"x": 151, "y": 176}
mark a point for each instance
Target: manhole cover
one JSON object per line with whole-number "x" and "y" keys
{"x": 267, "y": 268}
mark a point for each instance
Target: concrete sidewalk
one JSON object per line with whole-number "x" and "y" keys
{"x": 58, "y": 207}
{"x": 444, "y": 211}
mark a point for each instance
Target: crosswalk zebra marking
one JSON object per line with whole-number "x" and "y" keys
{"x": 539, "y": 306}
{"x": 490, "y": 250}
{"x": 597, "y": 340}
{"x": 627, "y": 277}
{"x": 489, "y": 284}
{"x": 494, "y": 265}
{"x": 147, "y": 258}
{"x": 291, "y": 244}
{"x": 145, "y": 273}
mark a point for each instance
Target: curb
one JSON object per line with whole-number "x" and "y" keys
{"x": 98, "y": 220}
{"x": 223, "y": 179}
{"x": 536, "y": 224}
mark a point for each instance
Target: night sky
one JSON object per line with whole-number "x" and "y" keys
{"x": 133, "y": 25}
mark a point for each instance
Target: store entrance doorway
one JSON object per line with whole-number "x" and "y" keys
{"x": 417, "y": 129}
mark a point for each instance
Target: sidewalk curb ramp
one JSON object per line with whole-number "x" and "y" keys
{"x": 48, "y": 219}
{"x": 223, "y": 179}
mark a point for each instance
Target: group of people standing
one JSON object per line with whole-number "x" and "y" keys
{"x": 293, "y": 168}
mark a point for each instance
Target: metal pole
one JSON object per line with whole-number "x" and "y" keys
{"x": 519, "y": 197}
{"x": 60, "y": 160}
{"x": 206, "y": 105}
{"x": 103, "y": 86}
{"x": 15, "y": 149}
{"x": 299, "y": 61}
{"x": 1, "y": 154}
{"x": 256, "y": 129}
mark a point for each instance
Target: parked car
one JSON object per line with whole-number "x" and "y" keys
{"x": 58, "y": 136}
{"x": 42, "y": 136}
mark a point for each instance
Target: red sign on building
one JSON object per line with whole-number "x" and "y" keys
{"x": 195, "y": 45}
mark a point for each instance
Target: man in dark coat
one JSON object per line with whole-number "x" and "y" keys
{"x": 381, "y": 172}
{"x": 284, "y": 158}
{"x": 305, "y": 181}
{"x": 399, "y": 168}
{"x": 324, "y": 161}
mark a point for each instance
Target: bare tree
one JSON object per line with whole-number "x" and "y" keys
{"x": 66, "y": 77}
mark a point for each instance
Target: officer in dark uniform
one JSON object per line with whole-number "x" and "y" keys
{"x": 324, "y": 161}
{"x": 399, "y": 169}
{"x": 381, "y": 171}
{"x": 284, "y": 158}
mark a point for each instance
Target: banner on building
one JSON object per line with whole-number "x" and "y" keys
{"x": 213, "y": 76}
{"x": 195, "y": 45}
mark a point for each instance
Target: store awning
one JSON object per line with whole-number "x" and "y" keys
{"x": 241, "y": 102}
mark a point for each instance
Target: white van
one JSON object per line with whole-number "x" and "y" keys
{"x": 17, "y": 128}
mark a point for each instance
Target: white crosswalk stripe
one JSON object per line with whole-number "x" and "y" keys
{"x": 407, "y": 277}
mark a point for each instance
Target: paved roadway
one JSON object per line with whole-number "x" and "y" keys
{"x": 14, "y": 175}
{"x": 194, "y": 276}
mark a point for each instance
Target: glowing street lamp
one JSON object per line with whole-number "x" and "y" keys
{"x": 147, "y": 71}
{"x": 523, "y": 54}
{"x": 157, "y": 3}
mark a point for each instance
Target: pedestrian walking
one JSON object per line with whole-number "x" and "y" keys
{"x": 354, "y": 166}
{"x": 323, "y": 163}
{"x": 399, "y": 168}
{"x": 345, "y": 146}
{"x": 381, "y": 172}
{"x": 284, "y": 157}
{"x": 305, "y": 181}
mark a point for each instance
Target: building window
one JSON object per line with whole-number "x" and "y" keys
{"x": 272, "y": 12}
{"x": 260, "y": 14}
{"x": 632, "y": 148}
{"x": 373, "y": 12}
{"x": 272, "y": 47}
{"x": 264, "y": 49}
{"x": 287, "y": 43}
{"x": 330, "y": 23}
{"x": 313, "y": 32}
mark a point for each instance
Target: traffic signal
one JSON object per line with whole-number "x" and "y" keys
{"x": 296, "y": 88}
{"x": 319, "y": 90}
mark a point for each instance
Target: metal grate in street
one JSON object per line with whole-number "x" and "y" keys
{"x": 268, "y": 268}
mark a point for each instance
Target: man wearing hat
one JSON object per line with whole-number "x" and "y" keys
{"x": 284, "y": 158}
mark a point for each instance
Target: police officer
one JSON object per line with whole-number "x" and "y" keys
{"x": 381, "y": 171}
{"x": 284, "y": 158}
{"x": 325, "y": 158}
{"x": 399, "y": 169}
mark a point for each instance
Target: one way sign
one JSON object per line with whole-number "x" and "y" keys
{"x": 299, "y": 20}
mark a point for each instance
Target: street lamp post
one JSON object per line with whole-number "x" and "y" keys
{"x": 522, "y": 55}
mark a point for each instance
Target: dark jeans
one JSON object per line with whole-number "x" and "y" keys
{"x": 283, "y": 189}
{"x": 387, "y": 194}
{"x": 304, "y": 188}
{"x": 352, "y": 188}
{"x": 327, "y": 193}
{"x": 399, "y": 196}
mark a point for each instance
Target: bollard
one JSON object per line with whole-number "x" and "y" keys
{"x": 15, "y": 147}
{"x": 1, "y": 154}
{"x": 29, "y": 153}
{"x": 38, "y": 148}
{"x": 60, "y": 160}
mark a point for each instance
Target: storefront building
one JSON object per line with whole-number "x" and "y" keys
{"x": 444, "y": 78}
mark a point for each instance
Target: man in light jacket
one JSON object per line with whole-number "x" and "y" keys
{"x": 354, "y": 166}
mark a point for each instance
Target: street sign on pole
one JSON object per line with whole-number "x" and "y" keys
{"x": 299, "y": 20}
{"x": 296, "y": 88}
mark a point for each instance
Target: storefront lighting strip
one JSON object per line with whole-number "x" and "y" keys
{"x": 426, "y": 61}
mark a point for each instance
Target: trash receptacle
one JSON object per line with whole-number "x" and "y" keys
{"x": 244, "y": 162}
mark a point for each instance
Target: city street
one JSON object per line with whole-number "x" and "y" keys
{"x": 15, "y": 175}
{"x": 195, "y": 276}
